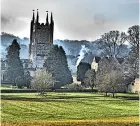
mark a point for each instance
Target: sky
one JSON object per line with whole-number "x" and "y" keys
{"x": 73, "y": 19}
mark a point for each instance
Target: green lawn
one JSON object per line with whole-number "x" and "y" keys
{"x": 30, "y": 107}
{"x": 7, "y": 87}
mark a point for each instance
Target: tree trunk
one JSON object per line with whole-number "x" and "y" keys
{"x": 42, "y": 93}
{"x": 114, "y": 48}
{"x": 105, "y": 94}
{"x": 113, "y": 94}
{"x": 92, "y": 89}
{"x": 13, "y": 83}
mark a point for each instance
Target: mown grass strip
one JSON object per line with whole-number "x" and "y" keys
{"x": 127, "y": 121}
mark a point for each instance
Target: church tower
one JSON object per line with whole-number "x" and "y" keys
{"x": 41, "y": 39}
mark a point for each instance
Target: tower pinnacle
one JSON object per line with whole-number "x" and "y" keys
{"x": 51, "y": 22}
{"x": 47, "y": 22}
{"x": 37, "y": 17}
{"x": 33, "y": 16}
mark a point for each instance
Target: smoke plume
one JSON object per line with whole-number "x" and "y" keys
{"x": 82, "y": 53}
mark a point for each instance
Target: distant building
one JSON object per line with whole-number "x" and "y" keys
{"x": 94, "y": 64}
{"x": 41, "y": 40}
{"x": 135, "y": 87}
{"x": 123, "y": 64}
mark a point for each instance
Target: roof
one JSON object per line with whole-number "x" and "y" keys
{"x": 120, "y": 60}
{"x": 97, "y": 59}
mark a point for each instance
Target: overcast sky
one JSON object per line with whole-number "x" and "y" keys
{"x": 74, "y": 19}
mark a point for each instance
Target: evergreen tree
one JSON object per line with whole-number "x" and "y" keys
{"x": 82, "y": 68}
{"x": 56, "y": 64}
{"x": 14, "y": 64}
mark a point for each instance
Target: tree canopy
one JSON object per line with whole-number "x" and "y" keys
{"x": 13, "y": 62}
{"x": 112, "y": 42}
{"x": 133, "y": 39}
{"x": 56, "y": 64}
{"x": 112, "y": 82}
{"x": 42, "y": 80}
{"x": 82, "y": 68}
{"x": 89, "y": 79}
{"x": 109, "y": 77}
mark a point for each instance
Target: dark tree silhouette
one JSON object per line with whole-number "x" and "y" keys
{"x": 14, "y": 65}
{"x": 82, "y": 68}
{"x": 56, "y": 64}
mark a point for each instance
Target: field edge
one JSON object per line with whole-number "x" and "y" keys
{"x": 124, "y": 121}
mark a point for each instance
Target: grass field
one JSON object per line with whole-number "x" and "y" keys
{"x": 69, "y": 109}
{"x": 7, "y": 87}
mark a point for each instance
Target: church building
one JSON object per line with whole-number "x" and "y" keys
{"x": 41, "y": 39}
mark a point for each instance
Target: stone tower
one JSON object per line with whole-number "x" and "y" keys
{"x": 41, "y": 39}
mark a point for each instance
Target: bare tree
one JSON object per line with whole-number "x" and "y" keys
{"x": 42, "y": 81}
{"x": 110, "y": 77}
{"x": 89, "y": 79}
{"x": 128, "y": 71}
{"x": 133, "y": 39}
{"x": 112, "y": 42}
{"x": 112, "y": 82}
